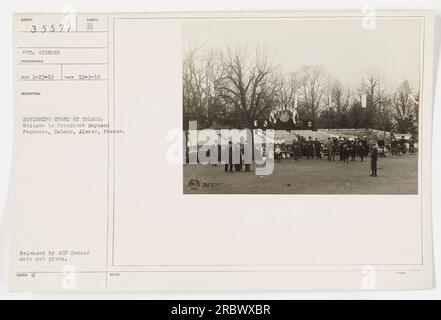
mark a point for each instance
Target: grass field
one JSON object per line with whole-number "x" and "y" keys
{"x": 396, "y": 175}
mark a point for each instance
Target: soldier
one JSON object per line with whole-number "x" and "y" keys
{"x": 363, "y": 148}
{"x": 310, "y": 148}
{"x": 229, "y": 163}
{"x": 318, "y": 148}
{"x": 219, "y": 153}
{"x": 374, "y": 158}
{"x": 353, "y": 149}
{"x": 278, "y": 153}
{"x": 329, "y": 148}
{"x": 402, "y": 146}
{"x": 296, "y": 149}
{"x": 340, "y": 147}
{"x": 345, "y": 150}
{"x": 238, "y": 166}
{"x": 394, "y": 147}
{"x": 359, "y": 148}
{"x": 335, "y": 147}
{"x": 411, "y": 146}
{"x": 302, "y": 145}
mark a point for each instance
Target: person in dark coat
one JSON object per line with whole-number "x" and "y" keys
{"x": 318, "y": 148}
{"x": 363, "y": 148}
{"x": 238, "y": 166}
{"x": 310, "y": 148}
{"x": 353, "y": 149}
{"x": 341, "y": 148}
{"x": 296, "y": 150}
{"x": 402, "y": 146}
{"x": 335, "y": 148}
{"x": 345, "y": 151}
{"x": 229, "y": 164}
{"x": 374, "y": 158}
{"x": 219, "y": 153}
{"x": 300, "y": 148}
{"x": 360, "y": 150}
{"x": 411, "y": 146}
{"x": 329, "y": 148}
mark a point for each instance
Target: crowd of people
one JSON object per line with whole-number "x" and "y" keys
{"x": 344, "y": 149}
{"x": 401, "y": 146}
{"x": 338, "y": 148}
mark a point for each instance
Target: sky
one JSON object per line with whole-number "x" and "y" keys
{"x": 342, "y": 47}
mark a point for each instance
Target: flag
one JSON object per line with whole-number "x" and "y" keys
{"x": 363, "y": 95}
{"x": 363, "y": 101}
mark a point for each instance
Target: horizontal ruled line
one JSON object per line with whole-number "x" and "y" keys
{"x": 63, "y": 80}
{"x": 62, "y": 63}
{"x": 55, "y": 47}
{"x": 220, "y": 271}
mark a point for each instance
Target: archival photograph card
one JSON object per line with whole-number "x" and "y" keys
{"x": 251, "y": 151}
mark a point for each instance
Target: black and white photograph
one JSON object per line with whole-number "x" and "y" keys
{"x": 284, "y": 153}
{"x": 297, "y": 106}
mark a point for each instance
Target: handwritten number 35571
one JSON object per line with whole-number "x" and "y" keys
{"x": 50, "y": 28}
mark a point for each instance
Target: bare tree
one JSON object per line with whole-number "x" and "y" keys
{"x": 340, "y": 103}
{"x": 287, "y": 86}
{"x": 247, "y": 83}
{"x": 314, "y": 83}
{"x": 404, "y": 108}
{"x": 194, "y": 84}
{"x": 378, "y": 100}
{"x": 340, "y": 96}
{"x": 235, "y": 86}
{"x": 201, "y": 77}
